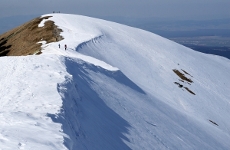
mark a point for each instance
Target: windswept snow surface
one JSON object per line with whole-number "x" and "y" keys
{"x": 113, "y": 88}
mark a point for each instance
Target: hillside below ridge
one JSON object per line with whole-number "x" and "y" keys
{"x": 114, "y": 87}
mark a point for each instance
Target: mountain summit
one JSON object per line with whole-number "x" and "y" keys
{"x": 112, "y": 87}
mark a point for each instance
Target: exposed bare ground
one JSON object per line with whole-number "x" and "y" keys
{"x": 189, "y": 90}
{"x": 183, "y": 80}
{"x": 186, "y": 72}
{"x": 182, "y": 76}
{"x": 214, "y": 122}
{"x": 24, "y": 39}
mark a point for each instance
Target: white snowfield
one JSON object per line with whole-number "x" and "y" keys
{"x": 114, "y": 88}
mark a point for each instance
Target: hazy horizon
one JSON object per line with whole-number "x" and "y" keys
{"x": 164, "y": 9}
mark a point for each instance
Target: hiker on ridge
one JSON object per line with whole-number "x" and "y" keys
{"x": 65, "y": 46}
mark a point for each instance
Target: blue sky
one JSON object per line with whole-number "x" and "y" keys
{"x": 165, "y": 9}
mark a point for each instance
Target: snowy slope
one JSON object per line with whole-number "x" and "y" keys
{"x": 115, "y": 87}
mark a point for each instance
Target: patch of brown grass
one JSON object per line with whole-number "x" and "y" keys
{"x": 213, "y": 122}
{"x": 24, "y": 39}
{"x": 182, "y": 76}
{"x": 189, "y": 91}
{"x": 179, "y": 85}
{"x": 186, "y": 72}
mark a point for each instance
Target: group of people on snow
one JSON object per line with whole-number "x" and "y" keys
{"x": 59, "y": 45}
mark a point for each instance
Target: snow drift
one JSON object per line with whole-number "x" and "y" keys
{"x": 115, "y": 87}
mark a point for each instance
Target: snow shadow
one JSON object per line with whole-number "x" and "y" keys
{"x": 118, "y": 75}
{"x": 122, "y": 79}
{"x": 88, "y": 123}
{"x": 85, "y": 118}
{"x": 93, "y": 40}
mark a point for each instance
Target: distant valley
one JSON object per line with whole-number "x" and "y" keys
{"x": 206, "y": 36}
{"x": 207, "y": 44}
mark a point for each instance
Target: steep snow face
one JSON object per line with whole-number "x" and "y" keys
{"x": 114, "y": 87}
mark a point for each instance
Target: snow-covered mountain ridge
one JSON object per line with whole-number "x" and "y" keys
{"x": 115, "y": 87}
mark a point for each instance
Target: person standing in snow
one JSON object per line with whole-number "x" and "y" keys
{"x": 65, "y": 46}
{"x": 59, "y": 45}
